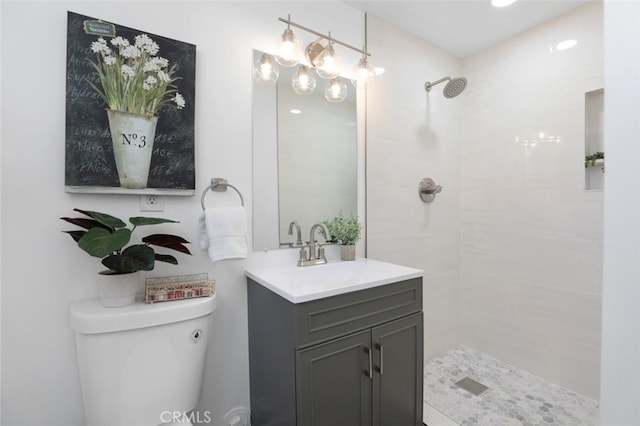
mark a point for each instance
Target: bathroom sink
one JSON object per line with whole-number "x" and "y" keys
{"x": 303, "y": 284}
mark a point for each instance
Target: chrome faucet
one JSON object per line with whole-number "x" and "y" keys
{"x": 298, "y": 233}
{"x": 314, "y": 257}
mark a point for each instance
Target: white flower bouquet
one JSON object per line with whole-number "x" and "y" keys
{"x": 133, "y": 78}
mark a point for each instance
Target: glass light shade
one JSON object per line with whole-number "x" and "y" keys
{"x": 303, "y": 82}
{"x": 336, "y": 90}
{"x": 313, "y": 51}
{"x": 364, "y": 74}
{"x": 328, "y": 64}
{"x": 265, "y": 70}
{"x": 289, "y": 50}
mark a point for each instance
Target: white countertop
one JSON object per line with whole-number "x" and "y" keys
{"x": 303, "y": 284}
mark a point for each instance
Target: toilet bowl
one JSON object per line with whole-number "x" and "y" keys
{"x": 142, "y": 363}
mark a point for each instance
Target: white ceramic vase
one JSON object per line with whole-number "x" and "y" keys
{"x": 118, "y": 290}
{"x": 132, "y": 136}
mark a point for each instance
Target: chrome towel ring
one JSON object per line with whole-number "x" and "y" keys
{"x": 219, "y": 185}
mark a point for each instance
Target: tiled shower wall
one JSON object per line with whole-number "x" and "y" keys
{"x": 532, "y": 236}
{"x": 512, "y": 247}
{"x": 412, "y": 134}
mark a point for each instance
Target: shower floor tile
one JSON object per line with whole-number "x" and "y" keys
{"x": 514, "y": 397}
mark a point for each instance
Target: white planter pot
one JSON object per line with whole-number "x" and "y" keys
{"x": 132, "y": 136}
{"x": 347, "y": 252}
{"x": 118, "y": 290}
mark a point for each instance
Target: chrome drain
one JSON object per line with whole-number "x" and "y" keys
{"x": 472, "y": 386}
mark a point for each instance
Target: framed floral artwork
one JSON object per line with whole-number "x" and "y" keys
{"x": 130, "y": 99}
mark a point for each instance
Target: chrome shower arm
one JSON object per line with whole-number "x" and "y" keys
{"x": 428, "y": 85}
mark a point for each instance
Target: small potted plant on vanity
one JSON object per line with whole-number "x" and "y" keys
{"x": 346, "y": 232}
{"x": 105, "y": 236}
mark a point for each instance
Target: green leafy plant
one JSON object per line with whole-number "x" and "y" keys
{"x": 590, "y": 160}
{"x": 344, "y": 230}
{"x": 105, "y": 236}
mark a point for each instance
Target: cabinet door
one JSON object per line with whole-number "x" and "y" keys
{"x": 397, "y": 382}
{"x": 333, "y": 382}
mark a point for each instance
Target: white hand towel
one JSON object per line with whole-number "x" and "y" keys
{"x": 223, "y": 233}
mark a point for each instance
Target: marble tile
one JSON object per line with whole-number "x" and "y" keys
{"x": 515, "y": 397}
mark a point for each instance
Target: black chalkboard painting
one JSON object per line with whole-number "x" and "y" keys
{"x": 110, "y": 69}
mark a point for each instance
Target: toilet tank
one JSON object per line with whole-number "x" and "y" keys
{"x": 140, "y": 363}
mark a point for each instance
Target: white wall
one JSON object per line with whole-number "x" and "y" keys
{"x": 620, "y": 391}
{"x": 42, "y": 270}
{"x": 412, "y": 134}
{"x": 532, "y": 236}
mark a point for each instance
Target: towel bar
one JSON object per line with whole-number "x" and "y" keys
{"x": 219, "y": 185}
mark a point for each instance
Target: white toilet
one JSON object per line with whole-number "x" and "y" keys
{"x": 141, "y": 364}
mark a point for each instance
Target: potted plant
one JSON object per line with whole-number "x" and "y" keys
{"x": 346, "y": 232}
{"x": 593, "y": 159}
{"x": 105, "y": 236}
{"x": 134, "y": 83}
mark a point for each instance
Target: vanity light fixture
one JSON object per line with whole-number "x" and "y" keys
{"x": 364, "y": 72}
{"x": 289, "y": 50}
{"x": 303, "y": 82}
{"x": 327, "y": 63}
{"x": 321, "y": 56}
{"x": 336, "y": 90}
{"x": 266, "y": 70}
{"x": 313, "y": 51}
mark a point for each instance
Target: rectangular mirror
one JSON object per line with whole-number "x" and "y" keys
{"x": 305, "y": 159}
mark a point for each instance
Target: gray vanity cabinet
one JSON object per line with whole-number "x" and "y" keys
{"x": 333, "y": 382}
{"x": 354, "y": 359}
{"x": 397, "y": 389}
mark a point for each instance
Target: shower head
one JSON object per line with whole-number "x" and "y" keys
{"x": 453, "y": 88}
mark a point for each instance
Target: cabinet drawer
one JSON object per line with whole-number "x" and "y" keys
{"x": 324, "y": 319}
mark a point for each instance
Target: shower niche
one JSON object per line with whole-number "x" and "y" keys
{"x": 594, "y": 140}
